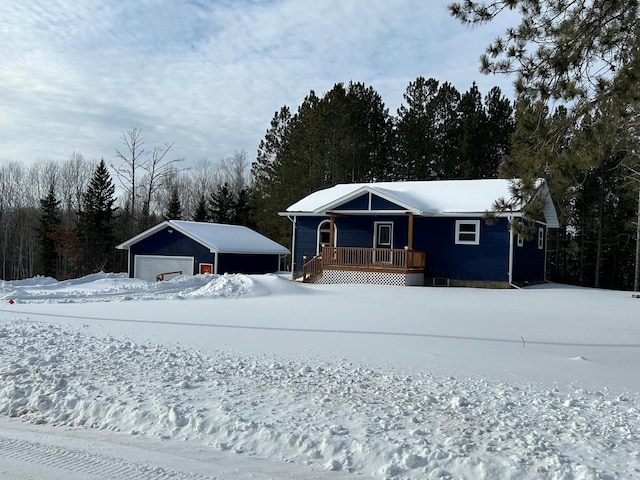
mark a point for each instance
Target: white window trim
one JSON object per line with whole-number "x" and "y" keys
{"x": 375, "y": 233}
{"x": 540, "y": 238}
{"x": 476, "y": 241}
{"x": 335, "y": 234}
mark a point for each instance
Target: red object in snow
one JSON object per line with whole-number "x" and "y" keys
{"x": 11, "y": 302}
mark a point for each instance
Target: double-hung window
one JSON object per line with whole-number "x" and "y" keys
{"x": 468, "y": 232}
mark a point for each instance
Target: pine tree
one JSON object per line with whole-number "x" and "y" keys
{"x": 565, "y": 50}
{"x": 242, "y": 210}
{"x": 50, "y": 221}
{"x": 473, "y": 137}
{"x": 271, "y": 187}
{"x": 500, "y": 128}
{"x": 201, "y": 213}
{"x": 222, "y": 205}
{"x": 95, "y": 225}
{"x": 416, "y": 132}
{"x": 174, "y": 207}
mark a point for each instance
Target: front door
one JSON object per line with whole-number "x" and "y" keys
{"x": 383, "y": 239}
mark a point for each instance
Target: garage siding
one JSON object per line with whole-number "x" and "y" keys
{"x": 170, "y": 242}
{"x": 246, "y": 263}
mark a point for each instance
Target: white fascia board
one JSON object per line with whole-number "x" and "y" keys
{"x": 474, "y": 214}
{"x": 343, "y": 199}
{"x": 373, "y": 212}
{"x": 353, "y": 213}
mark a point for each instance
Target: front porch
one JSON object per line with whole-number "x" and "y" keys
{"x": 366, "y": 265}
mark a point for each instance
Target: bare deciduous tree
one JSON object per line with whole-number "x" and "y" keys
{"x": 130, "y": 161}
{"x": 159, "y": 169}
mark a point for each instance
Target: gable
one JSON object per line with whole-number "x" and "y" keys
{"x": 368, "y": 201}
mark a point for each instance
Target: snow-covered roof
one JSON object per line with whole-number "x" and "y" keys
{"x": 216, "y": 237}
{"x": 437, "y": 197}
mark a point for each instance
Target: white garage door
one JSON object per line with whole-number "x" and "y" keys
{"x": 147, "y": 267}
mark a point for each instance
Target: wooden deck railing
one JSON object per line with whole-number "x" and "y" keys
{"x": 368, "y": 259}
{"x": 373, "y": 258}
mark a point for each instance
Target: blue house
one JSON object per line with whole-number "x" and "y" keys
{"x": 177, "y": 247}
{"x": 416, "y": 233}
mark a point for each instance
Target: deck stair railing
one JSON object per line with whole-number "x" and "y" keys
{"x": 312, "y": 269}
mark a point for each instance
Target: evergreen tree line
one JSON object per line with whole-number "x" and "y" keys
{"x": 348, "y": 135}
{"x": 64, "y": 219}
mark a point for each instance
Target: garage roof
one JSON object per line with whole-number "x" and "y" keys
{"x": 217, "y": 237}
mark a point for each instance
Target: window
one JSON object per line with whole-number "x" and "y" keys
{"x": 540, "y": 238}
{"x": 324, "y": 235}
{"x": 468, "y": 232}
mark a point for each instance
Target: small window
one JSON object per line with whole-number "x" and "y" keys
{"x": 468, "y": 232}
{"x": 540, "y": 238}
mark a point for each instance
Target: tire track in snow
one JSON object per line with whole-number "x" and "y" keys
{"x": 519, "y": 341}
{"x": 91, "y": 464}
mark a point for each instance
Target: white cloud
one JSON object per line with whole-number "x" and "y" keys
{"x": 208, "y": 75}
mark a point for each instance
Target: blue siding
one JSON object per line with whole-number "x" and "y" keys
{"x": 359, "y": 203}
{"x": 378, "y": 203}
{"x": 487, "y": 261}
{"x": 243, "y": 263}
{"x": 306, "y": 237}
{"x": 528, "y": 261}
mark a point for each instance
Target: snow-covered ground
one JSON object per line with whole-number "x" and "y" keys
{"x": 257, "y": 377}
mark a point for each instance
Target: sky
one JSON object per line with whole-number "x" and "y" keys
{"x": 208, "y": 75}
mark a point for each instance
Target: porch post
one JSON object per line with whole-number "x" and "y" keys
{"x": 410, "y": 233}
{"x": 331, "y": 223}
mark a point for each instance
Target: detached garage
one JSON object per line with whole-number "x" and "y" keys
{"x": 178, "y": 247}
